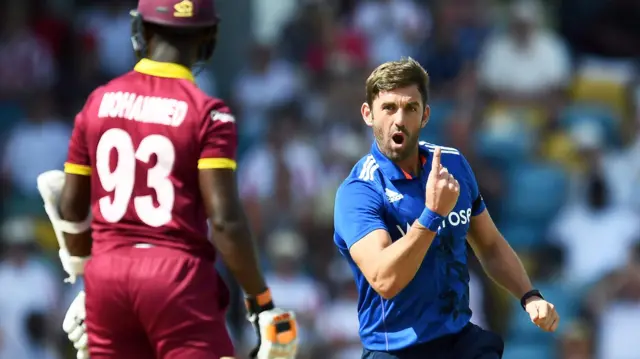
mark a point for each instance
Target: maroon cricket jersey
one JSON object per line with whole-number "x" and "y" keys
{"x": 142, "y": 138}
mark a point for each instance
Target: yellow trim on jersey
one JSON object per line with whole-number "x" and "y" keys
{"x": 75, "y": 169}
{"x": 214, "y": 163}
{"x": 163, "y": 69}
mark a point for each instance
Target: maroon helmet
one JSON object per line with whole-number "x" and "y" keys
{"x": 177, "y": 13}
{"x": 182, "y": 15}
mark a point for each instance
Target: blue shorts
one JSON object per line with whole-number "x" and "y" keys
{"x": 472, "y": 342}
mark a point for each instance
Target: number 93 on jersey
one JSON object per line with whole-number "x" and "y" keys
{"x": 120, "y": 181}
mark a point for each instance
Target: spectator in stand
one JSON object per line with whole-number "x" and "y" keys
{"x": 526, "y": 45}
{"x": 26, "y": 62}
{"x": 41, "y": 133}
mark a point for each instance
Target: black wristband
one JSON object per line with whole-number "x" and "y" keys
{"x": 529, "y": 294}
{"x": 259, "y": 303}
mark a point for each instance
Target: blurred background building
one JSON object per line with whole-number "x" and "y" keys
{"x": 543, "y": 98}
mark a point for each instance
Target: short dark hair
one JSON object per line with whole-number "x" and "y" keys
{"x": 397, "y": 74}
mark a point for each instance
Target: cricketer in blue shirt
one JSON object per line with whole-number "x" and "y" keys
{"x": 402, "y": 220}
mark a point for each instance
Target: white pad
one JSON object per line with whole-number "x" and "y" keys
{"x": 50, "y": 185}
{"x": 72, "y": 265}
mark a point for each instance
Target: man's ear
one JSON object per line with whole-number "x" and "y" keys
{"x": 367, "y": 115}
{"x": 425, "y": 116}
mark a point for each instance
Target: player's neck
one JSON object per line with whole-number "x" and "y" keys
{"x": 170, "y": 54}
{"x": 411, "y": 164}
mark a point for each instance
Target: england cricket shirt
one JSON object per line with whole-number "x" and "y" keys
{"x": 377, "y": 194}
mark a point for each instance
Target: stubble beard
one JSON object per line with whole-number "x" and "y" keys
{"x": 410, "y": 146}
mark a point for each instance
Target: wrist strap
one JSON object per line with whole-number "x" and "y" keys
{"x": 529, "y": 294}
{"x": 259, "y": 303}
{"x": 430, "y": 220}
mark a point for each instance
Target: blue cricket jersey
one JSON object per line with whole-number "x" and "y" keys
{"x": 377, "y": 194}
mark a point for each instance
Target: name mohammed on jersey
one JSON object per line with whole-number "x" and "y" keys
{"x": 147, "y": 109}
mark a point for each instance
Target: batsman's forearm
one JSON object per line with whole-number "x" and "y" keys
{"x": 501, "y": 263}
{"x": 234, "y": 243}
{"x": 78, "y": 245}
{"x": 399, "y": 262}
{"x": 74, "y": 207}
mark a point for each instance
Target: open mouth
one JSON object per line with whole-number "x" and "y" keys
{"x": 398, "y": 138}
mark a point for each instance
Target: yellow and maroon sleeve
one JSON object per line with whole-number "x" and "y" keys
{"x": 219, "y": 139}
{"x": 78, "y": 158}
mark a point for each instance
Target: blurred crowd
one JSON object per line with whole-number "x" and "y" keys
{"x": 543, "y": 99}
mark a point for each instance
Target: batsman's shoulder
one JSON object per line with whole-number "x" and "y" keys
{"x": 217, "y": 111}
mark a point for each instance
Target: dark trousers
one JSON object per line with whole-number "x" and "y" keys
{"x": 472, "y": 342}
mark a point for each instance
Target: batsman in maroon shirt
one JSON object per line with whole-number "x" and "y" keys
{"x": 153, "y": 158}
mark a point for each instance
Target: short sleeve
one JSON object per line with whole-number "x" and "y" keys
{"x": 478, "y": 206}
{"x": 78, "y": 162}
{"x": 358, "y": 212}
{"x": 219, "y": 139}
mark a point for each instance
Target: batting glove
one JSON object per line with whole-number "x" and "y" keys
{"x": 276, "y": 329}
{"x": 75, "y": 326}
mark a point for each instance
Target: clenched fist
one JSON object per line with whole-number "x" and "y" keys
{"x": 543, "y": 314}
{"x": 442, "y": 188}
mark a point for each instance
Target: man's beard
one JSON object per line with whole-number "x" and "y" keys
{"x": 409, "y": 148}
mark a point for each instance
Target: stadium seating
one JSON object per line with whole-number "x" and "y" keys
{"x": 535, "y": 192}
{"x": 10, "y": 113}
{"x": 435, "y": 130}
{"x": 19, "y": 205}
{"x": 600, "y": 115}
{"x": 244, "y": 144}
{"x": 521, "y": 235}
{"x": 506, "y": 141}
{"x": 603, "y": 82}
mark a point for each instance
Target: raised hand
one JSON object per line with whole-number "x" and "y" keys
{"x": 442, "y": 188}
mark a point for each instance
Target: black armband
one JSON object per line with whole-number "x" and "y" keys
{"x": 259, "y": 303}
{"x": 528, "y": 295}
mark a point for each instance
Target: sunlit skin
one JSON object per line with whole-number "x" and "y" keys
{"x": 397, "y": 116}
